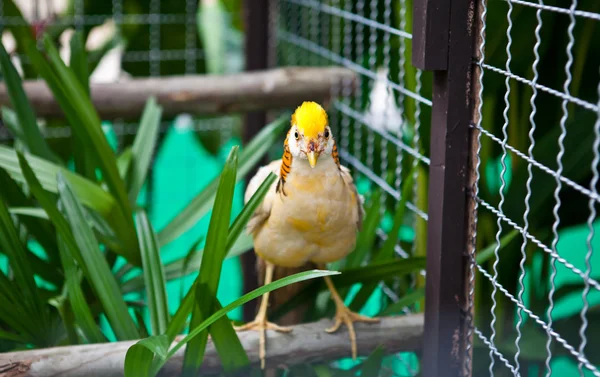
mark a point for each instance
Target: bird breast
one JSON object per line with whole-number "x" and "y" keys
{"x": 315, "y": 221}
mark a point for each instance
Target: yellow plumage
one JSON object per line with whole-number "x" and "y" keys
{"x": 312, "y": 214}
{"x": 311, "y": 118}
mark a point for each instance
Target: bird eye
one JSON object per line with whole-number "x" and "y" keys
{"x": 296, "y": 135}
{"x": 326, "y": 134}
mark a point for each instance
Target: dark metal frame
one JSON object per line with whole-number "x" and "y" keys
{"x": 443, "y": 41}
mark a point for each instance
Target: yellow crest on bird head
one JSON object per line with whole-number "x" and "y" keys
{"x": 310, "y": 118}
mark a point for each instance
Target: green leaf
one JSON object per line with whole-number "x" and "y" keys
{"x": 141, "y": 356}
{"x": 79, "y": 59}
{"x": 88, "y": 192}
{"x": 210, "y": 270}
{"x": 387, "y": 251}
{"x": 41, "y": 230}
{"x": 372, "y": 365}
{"x": 247, "y": 212}
{"x": 9, "y": 117}
{"x": 376, "y": 272}
{"x": 488, "y": 252}
{"x": 202, "y": 203}
{"x": 29, "y": 130}
{"x": 232, "y": 353}
{"x": 143, "y": 146}
{"x": 29, "y": 211}
{"x": 372, "y": 273}
{"x": 12, "y": 336}
{"x": 366, "y": 238}
{"x": 12, "y": 247}
{"x": 79, "y": 65}
{"x": 240, "y": 222}
{"x": 185, "y": 266}
{"x": 81, "y": 310}
{"x": 296, "y": 278}
{"x": 405, "y": 301}
{"x": 88, "y": 127}
{"x": 154, "y": 275}
{"x": 96, "y": 266}
{"x": 85, "y": 123}
{"x": 124, "y": 161}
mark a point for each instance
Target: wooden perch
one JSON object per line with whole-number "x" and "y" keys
{"x": 200, "y": 94}
{"x": 307, "y": 343}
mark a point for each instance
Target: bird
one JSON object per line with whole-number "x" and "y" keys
{"x": 312, "y": 213}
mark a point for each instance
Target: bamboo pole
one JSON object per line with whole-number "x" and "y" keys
{"x": 307, "y": 343}
{"x": 199, "y": 94}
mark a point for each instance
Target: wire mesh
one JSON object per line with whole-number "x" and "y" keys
{"x": 530, "y": 182}
{"x": 376, "y": 126}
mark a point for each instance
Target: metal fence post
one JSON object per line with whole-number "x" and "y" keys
{"x": 444, "y": 33}
{"x": 256, "y": 20}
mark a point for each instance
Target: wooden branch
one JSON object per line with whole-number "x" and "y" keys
{"x": 200, "y": 94}
{"x": 307, "y": 343}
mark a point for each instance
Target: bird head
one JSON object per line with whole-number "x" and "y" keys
{"x": 310, "y": 134}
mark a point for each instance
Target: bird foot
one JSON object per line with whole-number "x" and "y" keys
{"x": 346, "y": 316}
{"x": 261, "y": 325}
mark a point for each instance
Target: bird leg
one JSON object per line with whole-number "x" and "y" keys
{"x": 344, "y": 315}
{"x": 260, "y": 323}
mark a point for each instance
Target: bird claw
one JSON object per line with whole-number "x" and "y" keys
{"x": 261, "y": 325}
{"x": 346, "y": 316}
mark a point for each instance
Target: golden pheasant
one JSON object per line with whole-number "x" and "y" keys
{"x": 311, "y": 214}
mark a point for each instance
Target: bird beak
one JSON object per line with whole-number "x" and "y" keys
{"x": 312, "y": 153}
{"x": 312, "y": 158}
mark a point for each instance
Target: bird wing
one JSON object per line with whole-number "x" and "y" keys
{"x": 262, "y": 212}
{"x": 347, "y": 176}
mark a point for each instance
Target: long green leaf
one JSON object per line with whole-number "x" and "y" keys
{"x": 12, "y": 247}
{"x": 234, "y": 234}
{"x": 202, "y": 203}
{"x": 210, "y": 270}
{"x": 89, "y": 126}
{"x": 387, "y": 251}
{"x": 79, "y": 65}
{"x": 85, "y": 123}
{"x": 96, "y": 267}
{"x": 14, "y": 337}
{"x": 405, "y": 301}
{"x": 88, "y": 192}
{"x": 142, "y": 356}
{"x": 32, "y": 136}
{"x": 143, "y": 146}
{"x": 10, "y": 120}
{"x": 372, "y": 365}
{"x": 372, "y": 273}
{"x": 488, "y": 252}
{"x": 182, "y": 267}
{"x": 40, "y": 230}
{"x": 141, "y": 361}
{"x": 154, "y": 275}
{"x": 81, "y": 310}
{"x": 78, "y": 62}
{"x": 368, "y": 234}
